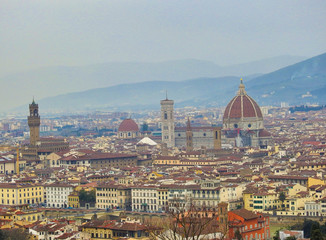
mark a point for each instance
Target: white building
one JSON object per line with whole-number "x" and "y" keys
{"x": 232, "y": 192}
{"x": 57, "y": 195}
{"x": 312, "y": 209}
{"x": 145, "y": 198}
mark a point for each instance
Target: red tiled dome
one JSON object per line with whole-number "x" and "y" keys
{"x": 242, "y": 106}
{"x": 128, "y": 125}
{"x": 264, "y": 133}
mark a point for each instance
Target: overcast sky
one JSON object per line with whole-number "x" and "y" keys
{"x": 79, "y": 32}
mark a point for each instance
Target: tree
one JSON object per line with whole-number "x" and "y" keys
{"x": 191, "y": 223}
{"x": 144, "y": 127}
{"x": 291, "y": 238}
{"x": 277, "y": 235}
{"x": 315, "y": 226}
{"x": 15, "y": 233}
{"x": 87, "y": 196}
{"x": 282, "y": 198}
{"x": 316, "y": 235}
{"x": 238, "y": 235}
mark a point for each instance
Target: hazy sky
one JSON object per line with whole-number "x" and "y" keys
{"x": 77, "y": 32}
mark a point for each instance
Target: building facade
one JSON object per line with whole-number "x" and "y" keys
{"x": 167, "y": 119}
{"x": 57, "y": 195}
{"x": 14, "y": 194}
{"x": 112, "y": 196}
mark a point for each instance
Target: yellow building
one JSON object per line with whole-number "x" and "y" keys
{"x": 296, "y": 188}
{"x": 296, "y": 206}
{"x": 108, "y": 229}
{"x": 98, "y": 229}
{"x": 73, "y": 200}
{"x": 113, "y": 196}
{"x": 261, "y": 201}
{"x": 26, "y": 216}
{"x": 7, "y": 165}
{"x": 14, "y": 194}
{"x": 154, "y": 175}
{"x": 87, "y": 187}
{"x": 315, "y": 181}
{"x": 166, "y": 160}
{"x": 163, "y": 194}
{"x": 313, "y": 166}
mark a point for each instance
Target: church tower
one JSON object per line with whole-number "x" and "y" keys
{"x": 167, "y": 120}
{"x": 189, "y": 147}
{"x": 34, "y": 123}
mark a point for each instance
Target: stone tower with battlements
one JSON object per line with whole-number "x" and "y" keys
{"x": 34, "y": 123}
{"x": 167, "y": 120}
{"x": 189, "y": 135}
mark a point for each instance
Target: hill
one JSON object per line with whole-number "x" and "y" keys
{"x": 297, "y": 84}
{"x": 19, "y": 88}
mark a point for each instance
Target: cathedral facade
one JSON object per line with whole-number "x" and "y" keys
{"x": 186, "y": 137}
{"x": 243, "y": 126}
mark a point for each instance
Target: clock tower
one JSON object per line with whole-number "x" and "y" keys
{"x": 34, "y": 123}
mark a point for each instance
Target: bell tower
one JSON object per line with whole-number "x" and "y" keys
{"x": 167, "y": 119}
{"x": 34, "y": 123}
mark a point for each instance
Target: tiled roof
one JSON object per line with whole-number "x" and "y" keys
{"x": 128, "y": 125}
{"x": 242, "y": 106}
{"x": 245, "y": 214}
{"x": 264, "y": 133}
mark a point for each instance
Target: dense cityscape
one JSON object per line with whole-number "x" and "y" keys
{"x": 162, "y": 120}
{"x": 241, "y": 170}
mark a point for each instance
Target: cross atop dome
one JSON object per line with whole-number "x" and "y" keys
{"x": 242, "y": 90}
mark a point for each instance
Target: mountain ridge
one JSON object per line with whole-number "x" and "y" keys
{"x": 293, "y": 84}
{"x": 52, "y": 81}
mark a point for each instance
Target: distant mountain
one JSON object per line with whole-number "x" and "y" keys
{"x": 262, "y": 66}
{"x": 296, "y": 84}
{"x": 140, "y": 96}
{"x": 18, "y": 89}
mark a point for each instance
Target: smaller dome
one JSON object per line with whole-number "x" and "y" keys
{"x": 264, "y": 133}
{"x": 128, "y": 125}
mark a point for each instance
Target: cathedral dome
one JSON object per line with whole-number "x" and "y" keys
{"x": 242, "y": 106}
{"x": 128, "y": 125}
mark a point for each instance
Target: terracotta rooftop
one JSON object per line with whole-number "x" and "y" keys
{"x": 245, "y": 214}
{"x": 242, "y": 106}
{"x": 128, "y": 125}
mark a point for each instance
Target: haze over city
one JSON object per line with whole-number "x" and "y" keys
{"x": 50, "y": 48}
{"x": 49, "y": 33}
{"x": 162, "y": 120}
